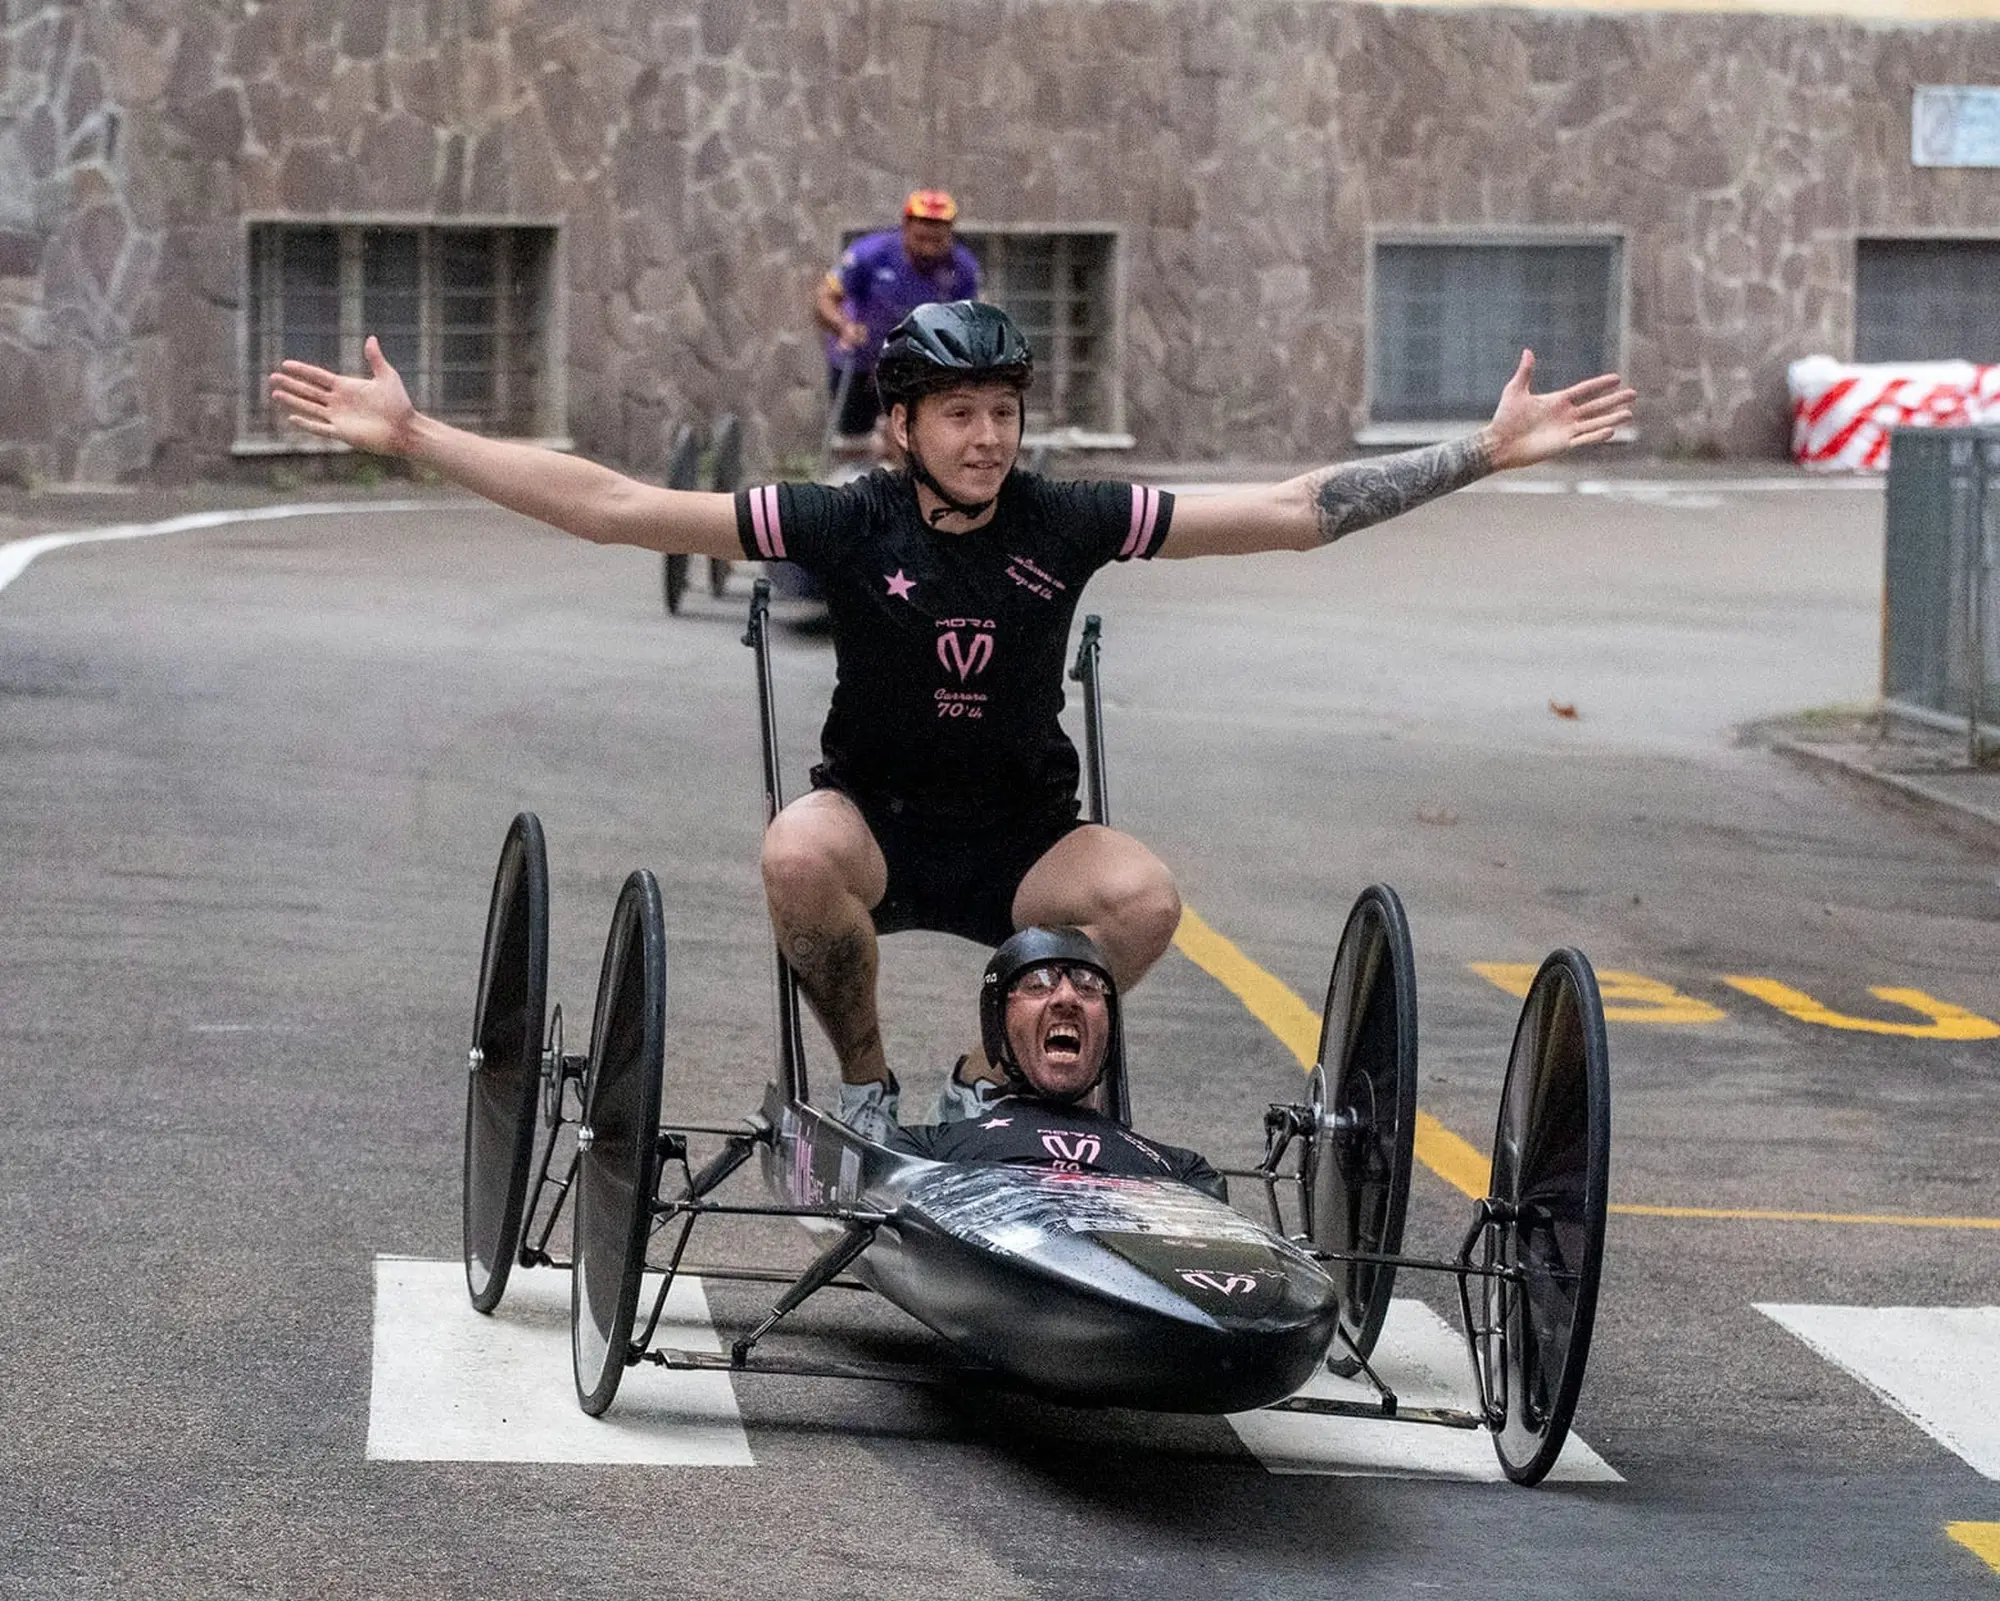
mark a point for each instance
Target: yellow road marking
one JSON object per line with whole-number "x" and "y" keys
{"x": 1296, "y": 1025}
{"x": 1267, "y": 999}
{"x": 1947, "y": 1022}
{"x": 1454, "y": 1160}
{"x": 1981, "y": 1539}
{"x": 1628, "y": 997}
{"x": 1634, "y": 998}
{"x": 1273, "y": 1003}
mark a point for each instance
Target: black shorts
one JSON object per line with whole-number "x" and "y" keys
{"x": 862, "y": 405}
{"x": 952, "y": 879}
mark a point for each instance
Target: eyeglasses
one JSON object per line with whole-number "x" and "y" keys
{"x": 1043, "y": 980}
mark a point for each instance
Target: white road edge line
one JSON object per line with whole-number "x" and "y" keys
{"x": 16, "y": 555}
{"x": 1937, "y": 1365}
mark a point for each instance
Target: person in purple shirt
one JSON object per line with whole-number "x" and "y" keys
{"x": 882, "y": 278}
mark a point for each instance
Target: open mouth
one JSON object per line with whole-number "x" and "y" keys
{"x": 1063, "y": 1042}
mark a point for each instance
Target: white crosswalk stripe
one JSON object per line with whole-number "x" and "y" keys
{"x": 452, "y": 1385}
{"x": 1937, "y": 1365}
{"x": 1422, "y": 1358}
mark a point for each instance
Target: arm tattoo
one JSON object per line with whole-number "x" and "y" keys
{"x": 1359, "y": 494}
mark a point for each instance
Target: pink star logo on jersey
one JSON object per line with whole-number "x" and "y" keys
{"x": 899, "y": 586}
{"x": 996, "y": 1122}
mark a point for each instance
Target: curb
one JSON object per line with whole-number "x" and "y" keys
{"x": 1980, "y": 820}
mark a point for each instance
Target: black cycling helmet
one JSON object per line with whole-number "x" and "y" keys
{"x": 947, "y": 343}
{"x": 1031, "y": 948}
{"x": 951, "y": 342}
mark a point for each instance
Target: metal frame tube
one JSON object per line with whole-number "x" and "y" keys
{"x": 1084, "y": 672}
{"x": 791, "y": 1039}
{"x": 1979, "y": 557}
{"x": 1930, "y": 717}
{"x": 1114, "y": 1092}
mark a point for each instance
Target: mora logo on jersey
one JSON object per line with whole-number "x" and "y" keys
{"x": 966, "y": 657}
{"x": 1066, "y": 1147}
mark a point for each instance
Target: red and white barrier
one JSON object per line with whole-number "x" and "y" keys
{"x": 1842, "y": 411}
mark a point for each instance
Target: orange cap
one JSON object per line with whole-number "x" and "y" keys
{"x": 932, "y": 205}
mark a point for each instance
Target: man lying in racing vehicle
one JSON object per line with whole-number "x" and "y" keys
{"x": 1048, "y": 1017}
{"x": 947, "y": 799}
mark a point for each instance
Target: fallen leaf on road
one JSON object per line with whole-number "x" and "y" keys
{"x": 1563, "y": 708}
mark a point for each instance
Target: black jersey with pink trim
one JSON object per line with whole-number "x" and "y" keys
{"x": 1027, "y": 1131}
{"x": 950, "y": 647}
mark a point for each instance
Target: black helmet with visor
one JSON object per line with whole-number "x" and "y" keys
{"x": 1021, "y": 954}
{"x": 951, "y": 342}
{"x": 941, "y": 346}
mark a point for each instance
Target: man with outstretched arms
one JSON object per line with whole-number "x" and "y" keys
{"x": 948, "y": 795}
{"x": 1048, "y": 1018}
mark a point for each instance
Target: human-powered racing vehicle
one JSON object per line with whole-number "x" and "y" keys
{"x": 1082, "y": 1288}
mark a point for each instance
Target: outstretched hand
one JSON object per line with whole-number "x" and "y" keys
{"x": 1528, "y": 428}
{"x": 372, "y": 413}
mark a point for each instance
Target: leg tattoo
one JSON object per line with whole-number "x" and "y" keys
{"x": 836, "y": 969}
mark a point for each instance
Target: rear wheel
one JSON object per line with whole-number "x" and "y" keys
{"x": 505, "y": 1061}
{"x": 1365, "y": 1094}
{"x": 1551, "y": 1176}
{"x": 618, "y": 1144}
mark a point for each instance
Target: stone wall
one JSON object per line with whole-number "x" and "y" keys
{"x": 704, "y": 158}
{"x": 79, "y": 271}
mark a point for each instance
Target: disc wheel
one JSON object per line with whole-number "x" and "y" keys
{"x": 1365, "y": 1090}
{"x": 618, "y": 1143}
{"x": 673, "y": 582}
{"x": 505, "y": 1061}
{"x": 1551, "y": 1170}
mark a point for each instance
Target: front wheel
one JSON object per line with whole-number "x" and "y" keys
{"x": 1551, "y": 1179}
{"x": 618, "y": 1144}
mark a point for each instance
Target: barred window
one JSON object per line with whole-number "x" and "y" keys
{"x": 1451, "y": 320}
{"x": 462, "y": 312}
{"x": 1927, "y": 300}
{"x": 1060, "y": 289}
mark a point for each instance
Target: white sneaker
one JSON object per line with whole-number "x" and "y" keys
{"x": 958, "y": 1101}
{"x": 870, "y": 1109}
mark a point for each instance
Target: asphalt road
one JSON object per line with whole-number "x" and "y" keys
{"x": 254, "y": 779}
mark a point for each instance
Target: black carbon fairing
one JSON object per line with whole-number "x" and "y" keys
{"x": 1106, "y": 1291}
